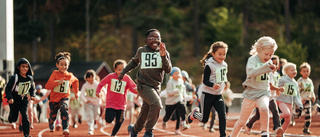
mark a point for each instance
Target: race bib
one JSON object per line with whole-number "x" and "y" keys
{"x": 262, "y": 77}
{"x": 151, "y": 60}
{"x": 290, "y": 89}
{"x": 24, "y": 87}
{"x": 178, "y": 87}
{"x": 91, "y": 92}
{"x": 307, "y": 87}
{"x": 276, "y": 80}
{"x": 118, "y": 86}
{"x": 62, "y": 88}
{"x": 221, "y": 75}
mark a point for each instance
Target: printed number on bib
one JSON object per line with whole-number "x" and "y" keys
{"x": 307, "y": 87}
{"x": 221, "y": 74}
{"x": 177, "y": 87}
{"x": 62, "y": 88}
{"x": 24, "y": 87}
{"x": 118, "y": 86}
{"x": 290, "y": 89}
{"x": 91, "y": 92}
{"x": 262, "y": 77}
{"x": 150, "y": 60}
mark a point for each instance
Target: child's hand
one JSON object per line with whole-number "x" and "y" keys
{"x": 33, "y": 98}
{"x": 162, "y": 49}
{"x": 313, "y": 99}
{"x": 60, "y": 81}
{"x": 216, "y": 86}
{"x": 273, "y": 67}
{"x": 76, "y": 96}
{"x": 10, "y": 101}
{"x": 281, "y": 89}
{"x": 97, "y": 95}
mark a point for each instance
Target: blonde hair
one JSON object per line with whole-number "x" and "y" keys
{"x": 305, "y": 65}
{"x": 286, "y": 66}
{"x": 213, "y": 49}
{"x": 264, "y": 42}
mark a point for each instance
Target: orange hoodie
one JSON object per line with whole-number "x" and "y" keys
{"x": 61, "y": 91}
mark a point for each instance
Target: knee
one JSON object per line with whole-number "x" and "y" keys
{"x": 108, "y": 120}
{"x": 263, "y": 110}
{"x": 287, "y": 116}
{"x": 64, "y": 108}
{"x": 156, "y": 105}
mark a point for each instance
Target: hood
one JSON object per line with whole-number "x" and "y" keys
{"x": 23, "y": 61}
{"x": 211, "y": 60}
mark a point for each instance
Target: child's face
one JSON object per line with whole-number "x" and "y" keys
{"x": 153, "y": 40}
{"x": 119, "y": 69}
{"x": 23, "y": 69}
{"x": 275, "y": 62}
{"x": 176, "y": 75}
{"x": 265, "y": 54}
{"x": 63, "y": 65}
{"x": 90, "y": 79}
{"x": 291, "y": 71}
{"x": 220, "y": 55}
{"x": 305, "y": 72}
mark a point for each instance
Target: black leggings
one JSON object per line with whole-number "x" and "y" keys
{"x": 14, "y": 112}
{"x": 110, "y": 114}
{"x": 180, "y": 112}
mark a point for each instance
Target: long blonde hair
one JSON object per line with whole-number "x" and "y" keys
{"x": 264, "y": 42}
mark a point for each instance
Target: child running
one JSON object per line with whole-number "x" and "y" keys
{"x": 290, "y": 94}
{"x": 92, "y": 102}
{"x": 116, "y": 94}
{"x": 75, "y": 107}
{"x": 176, "y": 94}
{"x": 59, "y": 83}
{"x": 307, "y": 94}
{"x": 19, "y": 85}
{"x": 275, "y": 91}
{"x": 214, "y": 78}
{"x": 154, "y": 61}
{"x": 257, "y": 87}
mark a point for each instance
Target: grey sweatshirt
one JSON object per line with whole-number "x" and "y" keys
{"x": 291, "y": 91}
{"x": 152, "y": 66}
{"x": 176, "y": 92}
{"x": 257, "y": 81}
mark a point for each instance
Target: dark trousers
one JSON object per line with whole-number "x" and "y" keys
{"x": 63, "y": 105}
{"x": 273, "y": 107}
{"x": 180, "y": 112}
{"x": 14, "y": 113}
{"x": 207, "y": 102}
{"x": 113, "y": 113}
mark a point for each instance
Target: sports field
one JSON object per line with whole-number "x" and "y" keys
{"x": 42, "y": 130}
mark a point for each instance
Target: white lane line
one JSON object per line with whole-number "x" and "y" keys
{"x": 102, "y": 129}
{"x": 43, "y": 130}
{"x": 165, "y": 131}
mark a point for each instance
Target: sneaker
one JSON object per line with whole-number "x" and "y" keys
{"x": 204, "y": 126}
{"x": 279, "y": 132}
{"x": 13, "y": 126}
{"x": 131, "y": 131}
{"x": 177, "y": 132}
{"x": 100, "y": 121}
{"x": 75, "y": 126}
{"x": 306, "y": 132}
{"x": 212, "y": 130}
{"x": 58, "y": 127}
{"x": 184, "y": 126}
{"x": 95, "y": 126}
{"x": 27, "y": 136}
{"x": 191, "y": 116}
{"x": 66, "y": 132}
{"x": 51, "y": 127}
{"x": 31, "y": 127}
{"x": 90, "y": 133}
{"x": 148, "y": 134}
{"x": 315, "y": 109}
{"x": 164, "y": 125}
{"x": 247, "y": 130}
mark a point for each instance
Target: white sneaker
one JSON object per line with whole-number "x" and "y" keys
{"x": 95, "y": 126}
{"x": 177, "y": 132}
{"x": 58, "y": 127}
{"x": 247, "y": 130}
{"x": 212, "y": 130}
{"x": 204, "y": 126}
{"x": 66, "y": 133}
{"x": 13, "y": 126}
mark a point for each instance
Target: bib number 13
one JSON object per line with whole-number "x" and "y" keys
{"x": 118, "y": 86}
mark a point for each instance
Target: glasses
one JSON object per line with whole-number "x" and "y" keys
{"x": 153, "y": 38}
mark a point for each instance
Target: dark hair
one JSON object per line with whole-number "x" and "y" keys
{"x": 149, "y": 31}
{"x": 118, "y": 62}
{"x": 214, "y": 47}
{"x": 23, "y": 61}
{"x": 62, "y": 55}
{"x": 89, "y": 73}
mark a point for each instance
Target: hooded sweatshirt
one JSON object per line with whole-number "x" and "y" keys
{"x": 18, "y": 86}
{"x": 291, "y": 91}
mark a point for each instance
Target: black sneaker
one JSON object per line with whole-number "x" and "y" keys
{"x": 148, "y": 134}
{"x": 306, "y": 132}
{"x": 191, "y": 115}
{"x": 131, "y": 131}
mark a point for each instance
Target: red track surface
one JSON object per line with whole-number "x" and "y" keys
{"x": 195, "y": 130}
